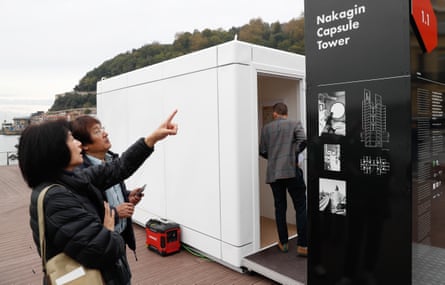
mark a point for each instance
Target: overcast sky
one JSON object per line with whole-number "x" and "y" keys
{"x": 47, "y": 46}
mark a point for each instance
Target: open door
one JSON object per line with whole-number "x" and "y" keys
{"x": 285, "y": 268}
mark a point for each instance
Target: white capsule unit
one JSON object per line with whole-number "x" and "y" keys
{"x": 208, "y": 178}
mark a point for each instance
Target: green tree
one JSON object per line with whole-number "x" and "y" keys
{"x": 256, "y": 32}
{"x": 284, "y": 36}
{"x": 74, "y": 100}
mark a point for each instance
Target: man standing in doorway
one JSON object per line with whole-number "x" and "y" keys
{"x": 281, "y": 142}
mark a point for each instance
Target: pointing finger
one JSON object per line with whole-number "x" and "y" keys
{"x": 170, "y": 118}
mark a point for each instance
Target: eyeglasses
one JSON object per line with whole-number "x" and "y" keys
{"x": 98, "y": 131}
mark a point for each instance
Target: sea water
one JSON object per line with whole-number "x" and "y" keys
{"x": 7, "y": 147}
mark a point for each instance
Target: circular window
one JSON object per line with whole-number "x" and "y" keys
{"x": 338, "y": 110}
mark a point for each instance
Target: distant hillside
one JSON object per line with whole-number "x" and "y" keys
{"x": 74, "y": 100}
{"x": 284, "y": 36}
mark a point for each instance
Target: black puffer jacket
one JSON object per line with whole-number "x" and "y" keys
{"x": 74, "y": 214}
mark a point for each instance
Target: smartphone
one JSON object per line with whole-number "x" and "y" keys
{"x": 143, "y": 188}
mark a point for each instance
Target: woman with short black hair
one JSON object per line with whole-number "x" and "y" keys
{"x": 75, "y": 217}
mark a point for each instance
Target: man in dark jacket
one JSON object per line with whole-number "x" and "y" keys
{"x": 96, "y": 150}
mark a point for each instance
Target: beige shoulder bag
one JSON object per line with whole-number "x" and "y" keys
{"x": 62, "y": 269}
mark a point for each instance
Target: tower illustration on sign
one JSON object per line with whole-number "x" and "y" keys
{"x": 374, "y": 133}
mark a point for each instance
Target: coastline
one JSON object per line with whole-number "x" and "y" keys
{"x": 10, "y": 133}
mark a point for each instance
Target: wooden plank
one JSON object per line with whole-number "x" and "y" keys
{"x": 20, "y": 263}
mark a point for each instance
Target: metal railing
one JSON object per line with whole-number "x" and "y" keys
{"x": 9, "y": 157}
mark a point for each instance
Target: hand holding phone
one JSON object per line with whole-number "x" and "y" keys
{"x": 142, "y": 190}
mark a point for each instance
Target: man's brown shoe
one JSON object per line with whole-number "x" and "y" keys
{"x": 283, "y": 246}
{"x": 302, "y": 251}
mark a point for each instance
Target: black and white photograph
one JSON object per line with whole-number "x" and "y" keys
{"x": 333, "y": 196}
{"x": 331, "y": 113}
{"x": 332, "y": 157}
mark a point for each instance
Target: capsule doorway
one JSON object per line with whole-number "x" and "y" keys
{"x": 285, "y": 268}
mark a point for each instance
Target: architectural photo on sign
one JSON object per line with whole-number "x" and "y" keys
{"x": 332, "y": 157}
{"x": 331, "y": 113}
{"x": 333, "y": 196}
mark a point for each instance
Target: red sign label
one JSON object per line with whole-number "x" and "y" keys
{"x": 425, "y": 23}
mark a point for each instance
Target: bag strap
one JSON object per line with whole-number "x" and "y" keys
{"x": 41, "y": 218}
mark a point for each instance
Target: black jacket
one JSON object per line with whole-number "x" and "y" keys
{"x": 74, "y": 214}
{"x": 128, "y": 233}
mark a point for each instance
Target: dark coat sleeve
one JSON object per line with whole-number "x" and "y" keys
{"x": 263, "y": 143}
{"x": 300, "y": 137}
{"x": 106, "y": 175}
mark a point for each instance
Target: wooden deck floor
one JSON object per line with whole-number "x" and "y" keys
{"x": 20, "y": 263}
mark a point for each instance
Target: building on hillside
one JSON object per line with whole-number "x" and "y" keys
{"x": 37, "y": 117}
{"x": 69, "y": 114}
{"x": 8, "y": 128}
{"x": 19, "y": 124}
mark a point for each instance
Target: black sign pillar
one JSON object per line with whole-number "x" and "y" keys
{"x": 360, "y": 150}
